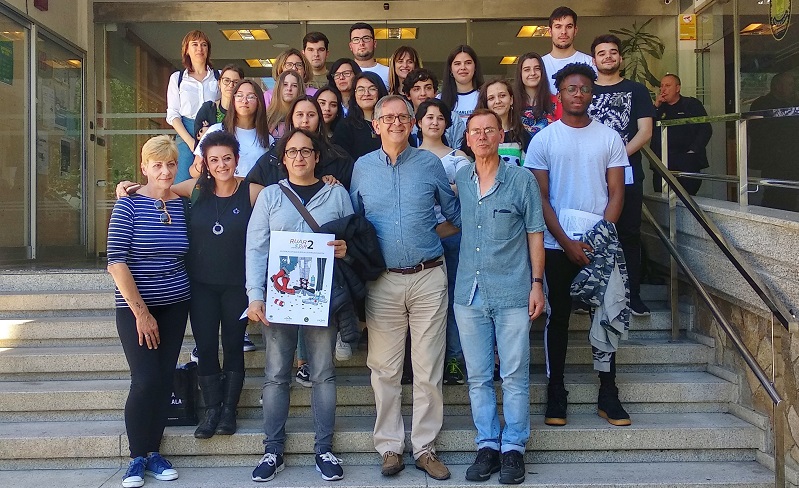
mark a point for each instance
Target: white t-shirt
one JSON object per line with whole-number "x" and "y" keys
{"x": 249, "y": 148}
{"x": 466, "y": 104}
{"x": 380, "y": 70}
{"x": 577, "y": 161}
{"x": 553, "y": 65}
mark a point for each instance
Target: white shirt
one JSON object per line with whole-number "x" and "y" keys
{"x": 577, "y": 161}
{"x": 185, "y": 101}
{"x": 249, "y": 148}
{"x": 380, "y": 70}
{"x": 553, "y": 65}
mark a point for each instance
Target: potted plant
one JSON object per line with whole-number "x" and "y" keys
{"x": 636, "y": 45}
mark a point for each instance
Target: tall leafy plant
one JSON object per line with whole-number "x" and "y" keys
{"x": 636, "y": 45}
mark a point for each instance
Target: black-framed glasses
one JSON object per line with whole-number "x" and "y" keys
{"x": 358, "y": 40}
{"x": 477, "y": 131}
{"x": 390, "y": 118}
{"x": 305, "y": 152}
{"x": 584, "y": 89}
{"x": 227, "y": 81}
{"x": 343, "y": 74}
{"x": 160, "y": 205}
{"x": 295, "y": 66}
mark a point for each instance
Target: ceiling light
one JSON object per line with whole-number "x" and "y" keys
{"x": 75, "y": 63}
{"x": 396, "y": 33}
{"x": 12, "y": 35}
{"x": 245, "y": 34}
{"x": 756, "y": 29}
{"x": 260, "y": 63}
{"x": 534, "y": 31}
{"x": 509, "y": 59}
{"x": 383, "y": 61}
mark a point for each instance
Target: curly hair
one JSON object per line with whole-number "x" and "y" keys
{"x": 574, "y": 69}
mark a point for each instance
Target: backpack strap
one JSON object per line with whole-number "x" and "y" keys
{"x": 216, "y": 72}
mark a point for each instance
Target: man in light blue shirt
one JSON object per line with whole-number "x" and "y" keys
{"x": 396, "y": 188}
{"x": 498, "y": 291}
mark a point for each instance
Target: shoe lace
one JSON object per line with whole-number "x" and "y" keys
{"x": 389, "y": 454}
{"x": 483, "y": 456}
{"x": 269, "y": 458}
{"x": 328, "y": 457}
{"x": 512, "y": 460}
{"x": 157, "y": 463}
{"x": 453, "y": 367}
{"x": 429, "y": 453}
{"x": 136, "y": 467}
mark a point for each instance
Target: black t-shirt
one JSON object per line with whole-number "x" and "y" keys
{"x": 306, "y": 192}
{"x": 218, "y": 259}
{"x": 210, "y": 113}
{"x": 619, "y": 107}
{"x": 356, "y": 137}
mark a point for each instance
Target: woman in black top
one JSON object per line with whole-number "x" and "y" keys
{"x": 355, "y": 133}
{"x": 220, "y": 212}
{"x": 329, "y": 99}
{"x": 212, "y": 112}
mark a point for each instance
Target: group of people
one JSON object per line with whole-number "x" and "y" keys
{"x": 463, "y": 216}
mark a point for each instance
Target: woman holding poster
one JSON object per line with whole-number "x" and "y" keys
{"x": 299, "y": 151}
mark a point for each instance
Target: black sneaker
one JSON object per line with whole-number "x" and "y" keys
{"x": 195, "y": 355}
{"x": 609, "y": 407}
{"x": 453, "y": 373}
{"x": 330, "y": 466}
{"x": 639, "y": 308}
{"x": 512, "y": 470}
{"x": 497, "y": 376}
{"x": 269, "y": 465}
{"x": 557, "y": 400}
{"x": 303, "y": 376}
{"x": 248, "y": 344}
{"x": 487, "y": 463}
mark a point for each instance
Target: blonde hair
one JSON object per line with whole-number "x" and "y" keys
{"x": 159, "y": 148}
{"x": 278, "y": 108}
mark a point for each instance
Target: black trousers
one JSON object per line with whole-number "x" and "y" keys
{"x": 560, "y": 272}
{"x": 212, "y": 305}
{"x": 629, "y": 229}
{"x": 151, "y": 373}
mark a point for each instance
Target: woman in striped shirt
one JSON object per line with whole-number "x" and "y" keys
{"x": 147, "y": 242}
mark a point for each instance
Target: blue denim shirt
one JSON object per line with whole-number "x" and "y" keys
{"x": 494, "y": 253}
{"x": 399, "y": 201}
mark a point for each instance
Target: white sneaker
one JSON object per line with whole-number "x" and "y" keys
{"x": 343, "y": 349}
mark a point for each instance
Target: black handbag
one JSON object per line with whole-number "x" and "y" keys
{"x": 185, "y": 395}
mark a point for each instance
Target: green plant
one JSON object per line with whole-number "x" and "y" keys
{"x": 636, "y": 45}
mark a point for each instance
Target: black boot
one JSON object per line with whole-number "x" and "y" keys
{"x": 609, "y": 407}
{"x": 211, "y": 387}
{"x": 234, "y": 381}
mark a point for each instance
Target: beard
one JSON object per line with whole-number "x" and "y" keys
{"x": 565, "y": 45}
{"x": 365, "y": 56}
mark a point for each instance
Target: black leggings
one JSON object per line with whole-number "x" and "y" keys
{"x": 210, "y": 306}
{"x": 559, "y": 275}
{"x": 629, "y": 230}
{"x": 151, "y": 373}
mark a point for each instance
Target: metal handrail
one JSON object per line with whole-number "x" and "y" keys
{"x": 780, "y": 311}
{"x": 773, "y": 182}
{"x": 772, "y": 113}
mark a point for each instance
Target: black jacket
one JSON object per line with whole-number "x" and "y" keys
{"x": 363, "y": 262}
{"x": 335, "y": 162}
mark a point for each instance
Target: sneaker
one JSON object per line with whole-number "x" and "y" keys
{"x": 343, "y": 349}
{"x": 248, "y": 344}
{"x": 330, "y": 466}
{"x": 556, "y": 405}
{"x": 392, "y": 464}
{"x": 261, "y": 400}
{"x": 134, "y": 476}
{"x": 159, "y": 468}
{"x": 430, "y": 464}
{"x": 268, "y": 466}
{"x": 194, "y": 356}
{"x": 639, "y": 308}
{"x": 609, "y": 407}
{"x": 304, "y": 376}
{"x": 453, "y": 372}
{"x": 487, "y": 463}
{"x": 497, "y": 376}
{"x": 512, "y": 470}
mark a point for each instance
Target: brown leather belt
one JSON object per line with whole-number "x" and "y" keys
{"x": 433, "y": 263}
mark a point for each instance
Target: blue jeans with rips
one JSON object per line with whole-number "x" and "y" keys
{"x": 510, "y": 327}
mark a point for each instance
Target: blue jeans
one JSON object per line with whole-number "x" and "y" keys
{"x": 452, "y": 246}
{"x": 185, "y": 154}
{"x": 479, "y": 326}
{"x": 280, "y": 343}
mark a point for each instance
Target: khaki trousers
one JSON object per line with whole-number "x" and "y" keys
{"x": 395, "y": 303}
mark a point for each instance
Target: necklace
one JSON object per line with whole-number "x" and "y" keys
{"x": 218, "y": 229}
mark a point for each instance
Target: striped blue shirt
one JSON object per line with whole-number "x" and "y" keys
{"x": 153, "y": 251}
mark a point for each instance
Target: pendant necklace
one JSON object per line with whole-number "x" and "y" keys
{"x": 218, "y": 229}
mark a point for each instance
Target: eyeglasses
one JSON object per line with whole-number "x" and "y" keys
{"x": 343, "y": 74}
{"x": 305, "y": 152}
{"x": 358, "y": 40}
{"x": 240, "y": 97}
{"x": 227, "y": 81}
{"x": 584, "y": 89}
{"x": 390, "y": 118}
{"x": 160, "y": 205}
{"x": 488, "y": 131}
{"x": 372, "y": 90}
{"x": 295, "y": 66}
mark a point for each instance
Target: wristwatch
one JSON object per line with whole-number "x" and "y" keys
{"x": 538, "y": 280}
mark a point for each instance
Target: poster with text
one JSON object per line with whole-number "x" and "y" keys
{"x": 300, "y": 277}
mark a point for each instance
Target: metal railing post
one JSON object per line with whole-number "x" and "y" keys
{"x": 673, "y": 270}
{"x": 743, "y": 165}
{"x": 778, "y": 415}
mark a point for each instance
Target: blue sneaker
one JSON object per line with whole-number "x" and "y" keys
{"x": 134, "y": 476}
{"x": 329, "y": 466}
{"x": 269, "y": 465}
{"x": 160, "y": 468}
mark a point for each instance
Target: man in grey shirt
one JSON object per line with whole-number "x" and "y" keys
{"x": 396, "y": 188}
